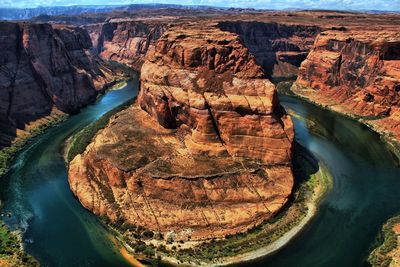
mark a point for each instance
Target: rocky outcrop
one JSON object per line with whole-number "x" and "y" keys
{"x": 44, "y": 68}
{"x": 208, "y": 80}
{"x": 126, "y": 41}
{"x": 356, "y": 73}
{"x": 278, "y": 48}
{"x": 204, "y": 153}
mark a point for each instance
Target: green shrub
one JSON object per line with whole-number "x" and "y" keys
{"x": 387, "y": 241}
{"x": 148, "y": 251}
{"x": 83, "y": 138}
{"x": 10, "y": 248}
{"x": 7, "y": 154}
{"x": 148, "y": 234}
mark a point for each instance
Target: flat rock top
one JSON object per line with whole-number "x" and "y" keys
{"x": 143, "y": 174}
{"x": 207, "y": 33}
{"x": 157, "y": 151}
{"x": 373, "y": 36}
{"x": 324, "y": 19}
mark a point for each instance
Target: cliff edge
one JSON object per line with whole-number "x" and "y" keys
{"x": 45, "y": 68}
{"x": 356, "y": 73}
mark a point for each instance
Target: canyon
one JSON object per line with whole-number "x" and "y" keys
{"x": 279, "y": 41}
{"x": 210, "y": 139}
{"x": 205, "y": 152}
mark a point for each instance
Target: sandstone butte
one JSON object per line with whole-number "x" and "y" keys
{"x": 204, "y": 152}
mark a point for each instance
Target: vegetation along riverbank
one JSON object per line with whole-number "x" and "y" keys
{"x": 388, "y": 252}
{"x": 314, "y": 181}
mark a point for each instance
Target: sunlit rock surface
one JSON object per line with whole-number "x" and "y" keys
{"x": 205, "y": 151}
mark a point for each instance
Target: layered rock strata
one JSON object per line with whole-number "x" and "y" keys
{"x": 356, "y": 73}
{"x": 127, "y": 41}
{"x": 206, "y": 150}
{"x": 45, "y": 68}
{"x": 278, "y": 48}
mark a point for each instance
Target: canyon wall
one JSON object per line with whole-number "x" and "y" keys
{"x": 43, "y": 68}
{"x": 278, "y": 48}
{"x": 205, "y": 151}
{"x": 356, "y": 73}
{"x": 53, "y": 67}
{"x": 126, "y": 42}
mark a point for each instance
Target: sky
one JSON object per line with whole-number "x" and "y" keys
{"x": 387, "y": 5}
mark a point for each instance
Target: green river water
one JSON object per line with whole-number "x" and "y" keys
{"x": 58, "y": 231}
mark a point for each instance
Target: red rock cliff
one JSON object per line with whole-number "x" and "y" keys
{"x": 44, "y": 68}
{"x": 278, "y": 48}
{"x": 356, "y": 73}
{"x": 125, "y": 41}
{"x": 208, "y": 81}
{"x": 205, "y": 152}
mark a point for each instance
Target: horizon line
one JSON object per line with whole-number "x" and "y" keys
{"x": 205, "y": 6}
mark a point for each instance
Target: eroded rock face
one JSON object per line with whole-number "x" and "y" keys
{"x": 44, "y": 68}
{"x": 357, "y": 73}
{"x": 206, "y": 150}
{"x": 278, "y": 48}
{"x": 126, "y": 41}
{"x": 207, "y": 80}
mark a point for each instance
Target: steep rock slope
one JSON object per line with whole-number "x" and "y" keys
{"x": 43, "y": 68}
{"x": 205, "y": 151}
{"x": 278, "y": 48}
{"x": 125, "y": 41}
{"x": 356, "y": 73}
